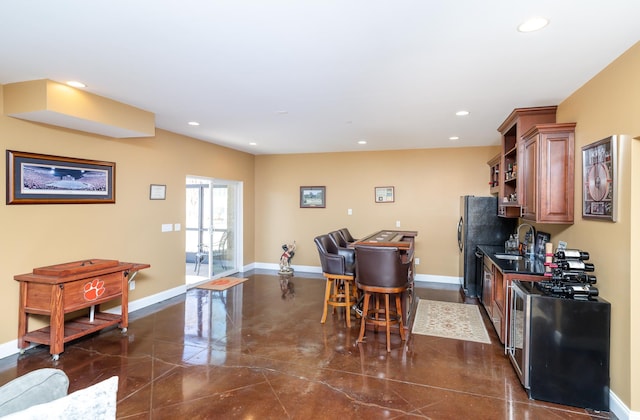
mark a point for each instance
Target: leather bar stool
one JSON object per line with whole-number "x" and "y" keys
{"x": 338, "y": 267}
{"x": 381, "y": 274}
{"x": 347, "y": 235}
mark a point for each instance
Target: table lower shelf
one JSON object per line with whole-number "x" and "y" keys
{"x": 75, "y": 328}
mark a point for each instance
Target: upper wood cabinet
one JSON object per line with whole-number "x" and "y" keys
{"x": 547, "y": 172}
{"x": 494, "y": 174}
{"x": 512, "y": 129}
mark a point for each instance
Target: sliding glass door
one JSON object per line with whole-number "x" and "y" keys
{"x": 212, "y": 228}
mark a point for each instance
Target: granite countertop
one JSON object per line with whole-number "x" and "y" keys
{"x": 526, "y": 265}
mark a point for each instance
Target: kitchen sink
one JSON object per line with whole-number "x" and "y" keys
{"x": 507, "y": 256}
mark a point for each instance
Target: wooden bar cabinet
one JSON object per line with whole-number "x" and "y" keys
{"x": 60, "y": 289}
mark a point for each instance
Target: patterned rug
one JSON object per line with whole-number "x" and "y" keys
{"x": 450, "y": 320}
{"x": 221, "y": 284}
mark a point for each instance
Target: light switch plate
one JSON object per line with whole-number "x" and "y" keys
{"x": 176, "y": 227}
{"x": 167, "y": 227}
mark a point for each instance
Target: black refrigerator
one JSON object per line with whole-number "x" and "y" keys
{"x": 479, "y": 225}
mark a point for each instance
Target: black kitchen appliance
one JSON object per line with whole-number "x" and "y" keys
{"x": 559, "y": 346}
{"x": 479, "y": 225}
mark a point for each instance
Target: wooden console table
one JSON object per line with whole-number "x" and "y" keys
{"x": 63, "y": 288}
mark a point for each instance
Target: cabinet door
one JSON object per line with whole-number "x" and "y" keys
{"x": 556, "y": 177}
{"x": 529, "y": 173}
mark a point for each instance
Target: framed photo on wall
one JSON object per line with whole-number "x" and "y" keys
{"x": 34, "y": 178}
{"x": 599, "y": 180}
{"x": 384, "y": 195}
{"x": 313, "y": 197}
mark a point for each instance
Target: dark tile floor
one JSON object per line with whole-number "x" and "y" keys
{"x": 258, "y": 351}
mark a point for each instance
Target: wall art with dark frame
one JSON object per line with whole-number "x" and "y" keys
{"x": 599, "y": 177}
{"x": 34, "y": 178}
{"x": 384, "y": 194}
{"x": 313, "y": 197}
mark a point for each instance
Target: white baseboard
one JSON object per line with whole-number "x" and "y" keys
{"x": 622, "y": 412}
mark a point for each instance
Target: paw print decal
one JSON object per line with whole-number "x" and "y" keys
{"x": 94, "y": 289}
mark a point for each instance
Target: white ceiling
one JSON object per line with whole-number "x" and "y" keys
{"x": 317, "y": 76}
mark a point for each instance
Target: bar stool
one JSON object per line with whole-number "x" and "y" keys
{"x": 381, "y": 273}
{"x": 338, "y": 268}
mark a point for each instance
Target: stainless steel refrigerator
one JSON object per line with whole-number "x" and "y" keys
{"x": 479, "y": 225}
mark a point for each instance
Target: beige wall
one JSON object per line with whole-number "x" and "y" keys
{"x": 129, "y": 230}
{"x": 428, "y": 184}
{"x": 610, "y": 104}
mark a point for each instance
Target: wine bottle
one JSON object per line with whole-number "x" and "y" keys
{"x": 576, "y": 254}
{"x": 575, "y": 265}
{"x": 578, "y": 277}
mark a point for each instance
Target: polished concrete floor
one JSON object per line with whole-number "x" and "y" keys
{"x": 258, "y": 351}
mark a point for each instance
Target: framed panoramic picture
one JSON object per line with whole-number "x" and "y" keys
{"x": 599, "y": 185}
{"x": 313, "y": 197}
{"x": 384, "y": 195}
{"x": 34, "y": 178}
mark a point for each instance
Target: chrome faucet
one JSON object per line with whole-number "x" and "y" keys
{"x": 528, "y": 249}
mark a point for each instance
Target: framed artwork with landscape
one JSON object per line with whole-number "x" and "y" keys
{"x": 313, "y": 197}
{"x": 34, "y": 178}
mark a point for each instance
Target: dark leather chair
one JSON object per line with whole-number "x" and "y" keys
{"x": 338, "y": 239}
{"x": 381, "y": 272}
{"x": 347, "y": 235}
{"x": 338, "y": 267}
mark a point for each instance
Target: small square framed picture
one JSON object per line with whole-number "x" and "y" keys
{"x": 384, "y": 195}
{"x": 157, "y": 192}
{"x": 313, "y": 197}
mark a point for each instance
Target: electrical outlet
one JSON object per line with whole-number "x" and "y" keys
{"x": 397, "y": 223}
{"x": 132, "y": 285}
{"x": 349, "y": 212}
{"x": 417, "y": 261}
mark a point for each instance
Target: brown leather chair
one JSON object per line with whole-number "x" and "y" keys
{"x": 338, "y": 267}
{"x": 338, "y": 239}
{"x": 347, "y": 235}
{"x": 381, "y": 273}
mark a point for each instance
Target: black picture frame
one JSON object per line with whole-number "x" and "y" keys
{"x": 34, "y": 178}
{"x": 313, "y": 197}
{"x": 599, "y": 180}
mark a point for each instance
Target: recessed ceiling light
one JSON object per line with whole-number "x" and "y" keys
{"x": 462, "y": 113}
{"x": 253, "y": 143}
{"x": 533, "y": 24}
{"x": 453, "y": 138}
{"x": 76, "y": 84}
{"x": 194, "y": 123}
{"x": 362, "y": 142}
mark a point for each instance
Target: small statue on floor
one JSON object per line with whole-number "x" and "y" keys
{"x": 285, "y": 258}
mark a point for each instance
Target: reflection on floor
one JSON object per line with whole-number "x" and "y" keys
{"x": 194, "y": 276}
{"x": 258, "y": 351}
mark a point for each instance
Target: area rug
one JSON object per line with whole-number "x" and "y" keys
{"x": 221, "y": 283}
{"x": 450, "y": 320}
